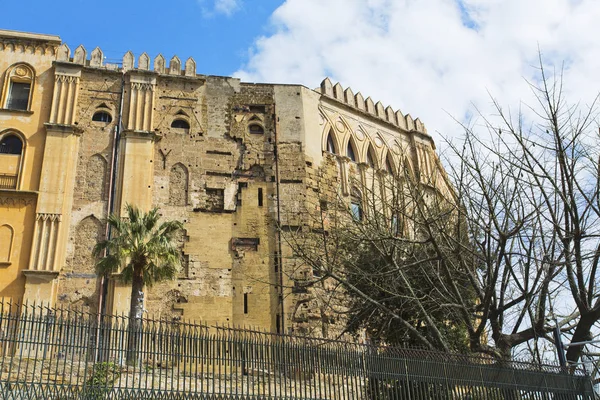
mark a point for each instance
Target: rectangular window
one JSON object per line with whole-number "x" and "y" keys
{"x": 215, "y": 199}
{"x": 245, "y": 303}
{"x": 356, "y": 210}
{"x": 276, "y": 261}
{"x": 260, "y": 197}
{"x": 278, "y": 323}
{"x": 18, "y": 96}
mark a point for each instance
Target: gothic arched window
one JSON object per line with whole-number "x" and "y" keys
{"x": 350, "y": 151}
{"x": 330, "y": 143}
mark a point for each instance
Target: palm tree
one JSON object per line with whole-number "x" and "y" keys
{"x": 144, "y": 252}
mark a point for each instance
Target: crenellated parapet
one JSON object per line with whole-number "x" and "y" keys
{"x": 368, "y": 106}
{"x": 96, "y": 59}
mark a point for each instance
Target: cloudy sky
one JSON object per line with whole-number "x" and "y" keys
{"x": 434, "y": 59}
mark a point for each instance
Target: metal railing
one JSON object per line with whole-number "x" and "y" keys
{"x": 69, "y": 354}
{"x": 8, "y": 181}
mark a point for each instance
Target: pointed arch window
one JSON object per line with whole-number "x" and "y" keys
{"x": 389, "y": 165}
{"x": 18, "y": 87}
{"x": 330, "y": 143}
{"x": 370, "y": 157}
{"x": 350, "y": 153}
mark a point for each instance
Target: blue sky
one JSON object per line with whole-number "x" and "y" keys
{"x": 435, "y": 59}
{"x": 218, "y": 40}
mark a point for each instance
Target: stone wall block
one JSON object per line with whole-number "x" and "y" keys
{"x": 338, "y": 92}
{"x": 360, "y": 101}
{"x": 80, "y": 56}
{"x": 144, "y": 62}
{"x": 349, "y": 97}
{"x": 175, "y": 66}
{"x": 128, "y": 61}
{"x": 159, "y": 64}
{"x": 97, "y": 58}
{"x": 390, "y": 116}
{"x": 327, "y": 87}
{"x": 401, "y": 119}
{"x": 63, "y": 53}
{"x": 190, "y": 67}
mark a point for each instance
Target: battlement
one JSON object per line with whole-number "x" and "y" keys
{"x": 96, "y": 59}
{"x": 357, "y": 101}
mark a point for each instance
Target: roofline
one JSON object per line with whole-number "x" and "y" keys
{"x": 29, "y": 36}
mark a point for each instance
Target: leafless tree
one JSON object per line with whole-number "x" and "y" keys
{"x": 498, "y": 252}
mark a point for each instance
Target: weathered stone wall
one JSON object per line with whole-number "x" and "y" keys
{"x": 211, "y": 152}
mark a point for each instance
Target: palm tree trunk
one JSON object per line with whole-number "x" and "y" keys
{"x": 136, "y": 310}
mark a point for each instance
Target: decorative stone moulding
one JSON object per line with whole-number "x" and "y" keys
{"x": 378, "y": 109}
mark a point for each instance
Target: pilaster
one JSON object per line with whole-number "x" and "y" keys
{"x": 135, "y": 175}
{"x": 55, "y": 197}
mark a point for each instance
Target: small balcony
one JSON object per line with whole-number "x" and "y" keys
{"x": 8, "y": 181}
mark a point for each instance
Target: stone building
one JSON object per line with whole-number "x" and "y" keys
{"x": 231, "y": 160}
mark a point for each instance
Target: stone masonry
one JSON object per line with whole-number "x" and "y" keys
{"x": 210, "y": 151}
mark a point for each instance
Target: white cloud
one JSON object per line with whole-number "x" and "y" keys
{"x": 225, "y": 7}
{"x": 431, "y": 58}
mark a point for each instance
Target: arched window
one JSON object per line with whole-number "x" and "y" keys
{"x": 18, "y": 87}
{"x": 102, "y": 116}
{"x": 350, "y": 153}
{"x": 11, "y": 150}
{"x": 180, "y": 123}
{"x": 356, "y": 205}
{"x": 11, "y": 144}
{"x": 370, "y": 157}
{"x": 330, "y": 144}
{"x": 256, "y": 129}
{"x": 389, "y": 165}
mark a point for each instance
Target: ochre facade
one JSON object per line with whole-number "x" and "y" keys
{"x": 231, "y": 160}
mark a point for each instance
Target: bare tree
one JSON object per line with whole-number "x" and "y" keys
{"x": 498, "y": 253}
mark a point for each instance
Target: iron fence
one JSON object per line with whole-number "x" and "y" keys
{"x": 70, "y": 354}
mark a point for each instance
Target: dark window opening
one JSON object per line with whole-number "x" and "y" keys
{"x": 278, "y": 323}
{"x": 180, "y": 123}
{"x": 356, "y": 206}
{"x": 102, "y": 116}
{"x": 260, "y": 197}
{"x": 356, "y": 210}
{"x": 11, "y": 144}
{"x": 256, "y": 129}
{"x": 245, "y": 303}
{"x": 276, "y": 261}
{"x": 330, "y": 144}
{"x": 257, "y": 109}
{"x": 215, "y": 199}
{"x": 388, "y": 165}
{"x": 18, "y": 96}
{"x": 323, "y": 204}
{"x": 370, "y": 160}
{"x": 350, "y": 152}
